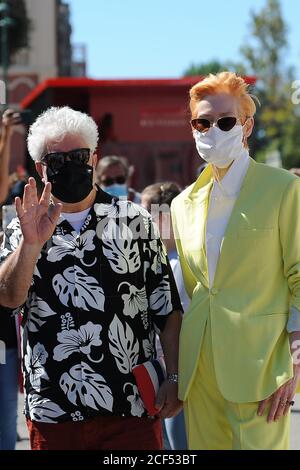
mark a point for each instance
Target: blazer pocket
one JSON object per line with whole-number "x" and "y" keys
{"x": 255, "y": 232}
{"x": 272, "y": 314}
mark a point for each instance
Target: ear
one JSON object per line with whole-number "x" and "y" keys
{"x": 248, "y": 127}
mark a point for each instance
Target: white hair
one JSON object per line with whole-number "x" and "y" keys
{"x": 54, "y": 124}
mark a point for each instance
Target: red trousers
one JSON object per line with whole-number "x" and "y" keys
{"x": 99, "y": 433}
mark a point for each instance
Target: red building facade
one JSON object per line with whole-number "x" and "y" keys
{"x": 146, "y": 121}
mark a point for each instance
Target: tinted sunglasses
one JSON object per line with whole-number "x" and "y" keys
{"x": 56, "y": 160}
{"x": 223, "y": 123}
{"x": 110, "y": 181}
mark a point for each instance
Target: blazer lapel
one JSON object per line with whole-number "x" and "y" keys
{"x": 194, "y": 225}
{"x": 236, "y": 219}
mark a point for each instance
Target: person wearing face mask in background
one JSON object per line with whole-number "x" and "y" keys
{"x": 9, "y": 357}
{"x": 237, "y": 230}
{"x": 113, "y": 175}
{"x": 157, "y": 199}
{"x": 89, "y": 290}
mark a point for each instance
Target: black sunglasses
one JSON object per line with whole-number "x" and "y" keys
{"x": 110, "y": 181}
{"x": 223, "y": 123}
{"x": 56, "y": 160}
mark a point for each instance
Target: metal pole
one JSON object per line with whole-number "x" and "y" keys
{"x": 4, "y": 23}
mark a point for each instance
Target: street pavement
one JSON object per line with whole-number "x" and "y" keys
{"x": 295, "y": 431}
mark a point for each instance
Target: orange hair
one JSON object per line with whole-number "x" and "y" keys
{"x": 224, "y": 82}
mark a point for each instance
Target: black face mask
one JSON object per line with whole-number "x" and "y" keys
{"x": 72, "y": 183}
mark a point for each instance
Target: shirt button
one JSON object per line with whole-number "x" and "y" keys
{"x": 214, "y": 291}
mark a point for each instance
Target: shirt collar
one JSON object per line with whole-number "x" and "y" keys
{"x": 231, "y": 184}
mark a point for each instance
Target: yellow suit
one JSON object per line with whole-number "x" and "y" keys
{"x": 256, "y": 281}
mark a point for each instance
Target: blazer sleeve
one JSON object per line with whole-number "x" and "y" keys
{"x": 289, "y": 230}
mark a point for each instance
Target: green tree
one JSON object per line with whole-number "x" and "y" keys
{"x": 213, "y": 66}
{"x": 291, "y": 144}
{"x": 18, "y": 32}
{"x": 264, "y": 55}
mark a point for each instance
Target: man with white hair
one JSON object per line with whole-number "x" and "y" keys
{"x": 91, "y": 275}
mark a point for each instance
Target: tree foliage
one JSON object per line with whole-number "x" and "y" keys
{"x": 18, "y": 31}
{"x": 213, "y": 66}
{"x": 265, "y": 57}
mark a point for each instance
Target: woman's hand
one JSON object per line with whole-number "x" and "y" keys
{"x": 280, "y": 400}
{"x": 37, "y": 220}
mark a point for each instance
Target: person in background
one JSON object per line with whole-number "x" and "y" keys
{"x": 9, "y": 363}
{"x": 237, "y": 230}
{"x": 93, "y": 287}
{"x": 157, "y": 199}
{"x": 113, "y": 176}
{"x": 295, "y": 171}
{"x": 17, "y": 182}
{"x": 9, "y": 374}
{"x": 10, "y": 119}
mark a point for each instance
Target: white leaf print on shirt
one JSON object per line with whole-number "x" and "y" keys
{"x": 34, "y": 365}
{"x": 106, "y": 210}
{"x": 123, "y": 346}
{"x": 15, "y": 238}
{"x": 135, "y": 300}
{"x": 75, "y": 287}
{"x": 119, "y": 209}
{"x": 160, "y": 299}
{"x": 79, "y": 341}
{"x": 38, "y": 311}
{"x": 137, "y": 406}
{"x": 148, "y": 345}
{"x": 120, "y": 249}
{"x": 159, "y": 258}
{"x": 43, "y": 409}
{"x": 36, "y": 271}
{"x": 71, "y": 244}
{"x": 82, "y": 384}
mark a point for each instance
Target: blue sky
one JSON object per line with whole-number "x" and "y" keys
{"x": 161, "y": 38}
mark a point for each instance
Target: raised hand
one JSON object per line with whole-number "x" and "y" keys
{"x": 37, "y": 219}
{"x": 10, "y": 119}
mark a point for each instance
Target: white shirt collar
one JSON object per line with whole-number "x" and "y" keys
{"x": 231, "y": 184}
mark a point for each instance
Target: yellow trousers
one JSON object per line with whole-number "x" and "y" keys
{"x": 213, "y": 423}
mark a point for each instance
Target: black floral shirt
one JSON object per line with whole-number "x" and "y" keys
{"x": 96, "y": 299}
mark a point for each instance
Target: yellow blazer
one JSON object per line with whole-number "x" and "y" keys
{"x": 256, "y": 281}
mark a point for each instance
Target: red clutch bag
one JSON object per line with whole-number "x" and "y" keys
{"x": 149, "y": 376}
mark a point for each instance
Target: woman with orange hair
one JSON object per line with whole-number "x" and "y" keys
{"x": 237, "y": 229}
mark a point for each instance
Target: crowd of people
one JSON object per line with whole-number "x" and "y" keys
{"x": 200, "y": 285}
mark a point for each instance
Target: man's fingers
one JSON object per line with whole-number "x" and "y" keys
{"x": 27, "y": 197}
{"x": 54, "y": 213}
{"x": 30, "y": 194}
{"x": 160, "y": 399}
{"x": 165, "y": 412}
{"x": 45, "y": 198}
{"x": 19, "y": 207}
{"x": 34, "y": 198}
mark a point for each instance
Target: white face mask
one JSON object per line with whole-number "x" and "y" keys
{"x": 220, "y": 147}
